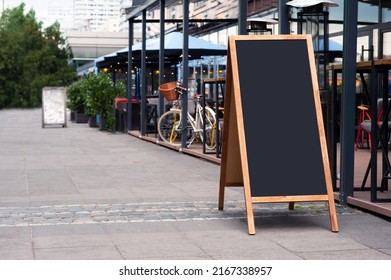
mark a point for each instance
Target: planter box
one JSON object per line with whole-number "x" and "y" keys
{"x": 81, "y": 118}
{"x": 102, "y": 124}
{"x": 72, "y": 116}
{"x": 92, "y": 121}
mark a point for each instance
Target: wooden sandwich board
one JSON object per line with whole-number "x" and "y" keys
{"x": 54, "y": 102}
{"x": 274, "y": 142}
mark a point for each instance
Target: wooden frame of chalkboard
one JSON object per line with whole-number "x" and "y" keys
{"x": 274, "y": 143}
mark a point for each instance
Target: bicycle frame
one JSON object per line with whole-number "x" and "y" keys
{"x": 195, "y": 121}
{"x": 171, "y": 123}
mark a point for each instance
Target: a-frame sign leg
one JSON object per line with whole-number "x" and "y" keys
{"x": 249, "y": 209}
{"x": 332, "y": 210}
{"x": 333, "y": 218}
{"x": 250, "y": 220}
{"x": 221, "y": 195}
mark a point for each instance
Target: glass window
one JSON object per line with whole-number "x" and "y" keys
{"x": 233, "y": 30}
{"x": 386, "y": 14}
{"x": 368, "y": 12}
{"x": 213, "y": 38}
{"x": 336, "y": 13}
{"x": 200, "y": 3}
{"x": 334, "y": 28}
{"x": 223, "y": 37}
{"x": 293, "y": 27}
{"x": 387, "y": 45}
{"x": 205, "y": 37}
{"x": 375, "y": 43}
{"x": 363, "y": 43}
{"x": 337, "y": 39}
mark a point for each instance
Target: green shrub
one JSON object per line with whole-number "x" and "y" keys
{"x": 100, "y": 93}
{"x": 76, "y": 97}
{"x": 94, "y": 95}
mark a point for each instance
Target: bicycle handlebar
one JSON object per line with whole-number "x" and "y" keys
{"x": 180, "y": 88}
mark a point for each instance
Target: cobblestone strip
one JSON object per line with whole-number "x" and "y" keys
{"x": 149, "y": 212}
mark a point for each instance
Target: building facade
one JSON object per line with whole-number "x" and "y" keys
{"x": 91, "y": 15}
{"x": 61, "y": 13}
{"x": 208, "y": 13}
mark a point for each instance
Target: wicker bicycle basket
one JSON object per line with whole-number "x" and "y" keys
{"x": 168, "y": 91}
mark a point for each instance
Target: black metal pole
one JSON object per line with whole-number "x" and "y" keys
{"x": 185, "y": 70}
{"x": 348, "y": 100}
{"x": 143, "y": 73}
{"x": 374, "y": 131}
{"x": 379, "y": 32}
{"x": 242, "y": 17}
{"x": 325, "y": 48}
{"x": 283, "y": 17}
{"x": 333, "y": 134}
{"x": 130, "y": 81}
{"x": 385, "y": 129}
{"x": 161, "y": 55}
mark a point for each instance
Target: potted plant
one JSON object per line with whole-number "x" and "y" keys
{"x": 101, "y": 93}
{"x": 91, "y": 106}
{"x": 76, "y": 102}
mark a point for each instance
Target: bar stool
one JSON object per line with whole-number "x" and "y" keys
{"x": 363, "y": 116}
{"x": 366, "y": 124}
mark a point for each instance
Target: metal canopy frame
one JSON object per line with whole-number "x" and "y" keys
{"x": 140, "y": 8}
{"x": 348, "y": 99}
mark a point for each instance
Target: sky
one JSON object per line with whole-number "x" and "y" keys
{"x": 40, "y": 7}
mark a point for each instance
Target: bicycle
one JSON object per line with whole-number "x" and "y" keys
{"x": 170, "y": 123}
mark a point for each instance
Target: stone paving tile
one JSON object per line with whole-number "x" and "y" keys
{"x": 78, "y": 193}
{"x": 78, "y": 253}
{"x": 363, "y": 254}
{"x": 149, "y": 212}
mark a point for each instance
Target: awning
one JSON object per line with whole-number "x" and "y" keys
{"x": 173, "y": 44}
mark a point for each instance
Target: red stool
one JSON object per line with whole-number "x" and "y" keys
{"x": 119, "y": 100}
{"x": 362, "y": 116}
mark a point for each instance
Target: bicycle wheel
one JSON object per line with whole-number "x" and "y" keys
{"x": 210, "y": 128}
{"x": 170, "y": 128}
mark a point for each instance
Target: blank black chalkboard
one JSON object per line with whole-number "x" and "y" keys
{"x": 274, "y": 142}
{"x": 280, "y": 122}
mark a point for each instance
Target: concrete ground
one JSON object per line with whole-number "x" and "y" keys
{"x": 79, "y": 193}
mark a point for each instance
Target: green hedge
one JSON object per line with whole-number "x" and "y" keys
{"x": 94, "y": 94}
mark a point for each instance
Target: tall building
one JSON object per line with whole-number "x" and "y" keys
{"x": 61, "y": 12}
{"x": 47, "y": 12}
{"x": 90, "y": 15}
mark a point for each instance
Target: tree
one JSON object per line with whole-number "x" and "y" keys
{"x": 30, "y": 58}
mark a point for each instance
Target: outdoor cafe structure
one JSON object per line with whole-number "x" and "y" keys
{"x": 352, "y": 23}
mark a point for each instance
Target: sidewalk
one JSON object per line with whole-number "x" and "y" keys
{"x": 79, "y": 193}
